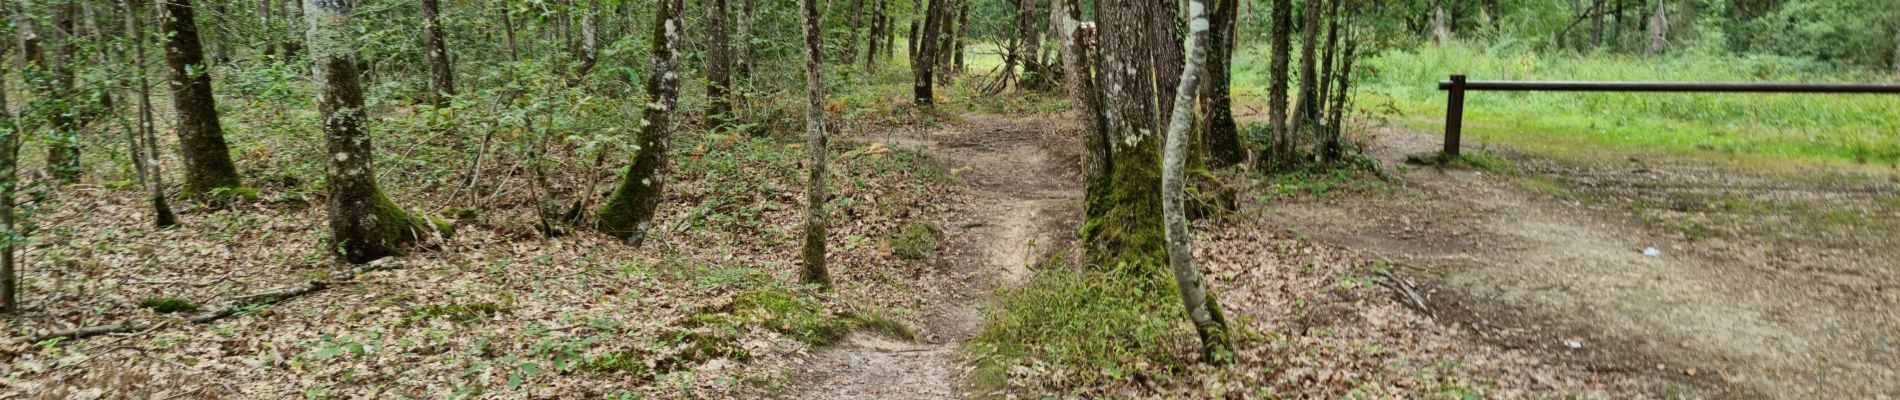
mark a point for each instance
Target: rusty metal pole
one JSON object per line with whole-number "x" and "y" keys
{"x": 1454, "y": 116}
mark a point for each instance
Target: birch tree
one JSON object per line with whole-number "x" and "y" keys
{"x": 814, "y": 272}
{"x": 1216, "y": 342}
{"x": 208, "y": 166}
{"x": 628, "y": 215}
{"x": 364, "y": 223}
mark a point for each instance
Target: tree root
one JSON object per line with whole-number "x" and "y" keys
{"x": 235, "y": 307}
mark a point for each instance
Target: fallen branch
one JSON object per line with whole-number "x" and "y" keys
{"x": 235, "y": 307}
{"x": 1406, "y": 290}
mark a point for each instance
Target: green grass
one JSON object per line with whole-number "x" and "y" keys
{"x": 1822, "y": 128}
{"x": 1076, "y": 328}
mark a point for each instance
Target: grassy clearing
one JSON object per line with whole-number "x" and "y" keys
{"x": 1754, "y": 128}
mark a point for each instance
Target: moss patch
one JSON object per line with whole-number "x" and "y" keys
{"x": 918, "y": 240}
{"x": 167, "y": 305}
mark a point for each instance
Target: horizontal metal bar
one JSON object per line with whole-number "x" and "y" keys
{"x": 1574, "y": 86}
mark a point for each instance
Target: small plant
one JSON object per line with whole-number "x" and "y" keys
{"x": 459, "y": 313}
{"x": 167, "y": 305}
{"x": 918, "y": 240}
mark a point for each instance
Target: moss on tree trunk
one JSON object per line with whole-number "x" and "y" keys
{"x": 629, "y": 213}
{"x": 364, "y": 223}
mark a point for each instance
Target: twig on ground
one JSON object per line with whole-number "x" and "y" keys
{"x": 1406, "y": 290}
{"x": 235, "y": 306}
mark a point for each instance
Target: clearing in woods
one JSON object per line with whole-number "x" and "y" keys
{"x": 1024, "y": 201}
{"x": 1760, "y": 284}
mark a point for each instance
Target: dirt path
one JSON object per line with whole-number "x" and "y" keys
{"x": 1777, "y": 309}
{"x": 1024, "y": 196}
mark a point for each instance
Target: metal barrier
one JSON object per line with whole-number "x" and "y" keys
{"x": 1458, "y": 85}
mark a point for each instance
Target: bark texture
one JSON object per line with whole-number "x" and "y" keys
{"x": 208, "y": 166}
{"x": 435, "y": 44}
{"x": 1280, "y": 152}
{"x": 364, "y": 223}
{"x": 1164, "y": 39}
{"x": 56, "y": 84}
{"x": 143, "y": 144}
{"x": 1077, "y": 41}
{"x": 718, "y": 65}
{"x": 814, "y": 272}
{"x": 1221, "y": 135}
{"x": 9, "y": 136}
{"x": 628, "y": 215}
{"x": 1658, "y": 29}
{"x": 1034, "y": 77}
{"x": 590, "y": 40}
{"x": 1216, "y": 340}
{"x": 1124, "y": 231}
{"x": 1306, "y": 116}
{"x": 923, "y": 63}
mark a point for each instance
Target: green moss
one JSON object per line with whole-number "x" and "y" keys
{"x": 167, "y": 305}
{"x": 628, "y": 363}
{"x": 1092, "y": 323}
{"x": 917, "y": 240}
{"x": 799, "y": 317}
{"x": 461, "y": 313}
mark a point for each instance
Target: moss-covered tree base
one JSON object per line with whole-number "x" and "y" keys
{"x": 386, "y": 231}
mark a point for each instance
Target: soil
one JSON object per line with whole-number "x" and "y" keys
{"x": 1023, "y": 195}
{"x": 1759, "y": 286}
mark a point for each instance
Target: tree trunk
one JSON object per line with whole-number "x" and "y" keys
{"x": 1336, "y": 125}
{"x": 963, "y": 35}
{"x": 1658, "y": 29}
{"x": 1441, "y": 33}
{"x": 293, "y": 26}
{"x": 143, "y": 144}
{"x": 1327, "y": 52}
{"x": 629, "y": 214}
{"x": 1896, "y": 53}
{"x": 1596, "y": 23}
{"x": 1125, "y": 231}
{"x": 1166, "y": 54}
{"x": 946, "y": 35}
{"x": 208, "y": 167}
{"x": 877, "y": 31}
{"x": 441, "y": 72}
{"x": 1306, "y": 118}
{"x": 924, "y": 61}
{"x": 590, "y": 40}
{"x": 718, "y": 66}
{"x": 814, "y": 272}
{"x": 857, "y": 24}
{"x": 9, "y": 139}
{"x": 1032, "y": 77}
{"x": 1281, "y": 153}
{"x": 1221, "y": 135}
{"x": 508, "y": 27}
{"x": 62, "y": 152}
{"x": 1077, "y": 39}
{"x": 1216, "y": 340}
{"x": 364, "y": 224}
{"x": 742, "y": 60}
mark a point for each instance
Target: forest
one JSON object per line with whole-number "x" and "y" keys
{"x": 949, "y": 199}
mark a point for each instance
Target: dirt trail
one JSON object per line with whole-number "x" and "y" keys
{"x": 1730, "y": 317}
{"x": 1023, "y": 198}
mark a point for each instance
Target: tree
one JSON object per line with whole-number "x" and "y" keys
{"x": 52, "y": 76}
{"x": 629, "y": 213}
{"x": 1441, "y": 32}
{"x": 590, "y": 41}
{"x": 1221, "y": 135}
{"x": 1033, "y": 77}
{"x": 143, "y": 144}
{"x": 9, "y": 181}
{"x": 208, "y": 166}
{"x": 857, "y": 24}
{"x": 364, "y": 223}
{"x": 814, "y": 272}
{"x": 1306, "y": 118}
{"x": 1658, "y": 29}
{"x": 718, "y": 66}
{"x": 436, "y": 49}
{"x": 1076, "y": 36}
{"x": 1202, "y": 307}
{"x": 924, "y": 61}
{"x": 1280, "y": 153}
{"x": 1123, "y": 231}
